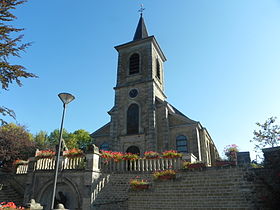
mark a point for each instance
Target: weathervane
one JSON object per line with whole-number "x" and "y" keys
{"x": 141, "y": 9}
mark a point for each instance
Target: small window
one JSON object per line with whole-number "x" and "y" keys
{"x": 158, "y": 69}
{"x": 181, "y": 144}
{"x": 134, "y": 64}
{"x": 105, "y": 146}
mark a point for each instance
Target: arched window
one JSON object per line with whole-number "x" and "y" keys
{"x": 181, "y": 144}
{"x": 134, "y": 64}
{"x": 132, "y": 123}
{"x": 105, "y": 146}
{"x": 158, "y": 69}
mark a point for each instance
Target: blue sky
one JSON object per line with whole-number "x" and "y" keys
{"x": 222, "y": 68}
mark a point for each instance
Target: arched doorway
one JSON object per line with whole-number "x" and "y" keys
{"x": 133, "y": 150}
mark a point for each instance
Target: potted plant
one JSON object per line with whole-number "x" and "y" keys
{"x": 225, "y": 163}
{"x": 73, "y": 153}
{"x": 45, "y": 154}
{"x": 106, "y": 154}
{"x": 195, "y": 165}
{"x": 139, "y": 184}
{"x": 231, "y": 152}
{"x": 117, "y": 156}
{"x": 164, "y": 175}
{"x": 20, "y": 162}
{"x": 151, "y": 155}
{"x": 130, "y": 156}
{"x": 171, "y": 154}
{"x": 9, "y": 205}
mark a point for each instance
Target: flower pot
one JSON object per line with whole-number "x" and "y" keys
{"x": 167, "y": 177}
{"x": 74, "y": 155}
{"x": 141, "y": 186}
{"x": 225, "y": 163}
{"x": 196, "y": 165}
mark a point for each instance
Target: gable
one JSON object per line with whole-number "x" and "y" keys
{"x": 103, "y": 131}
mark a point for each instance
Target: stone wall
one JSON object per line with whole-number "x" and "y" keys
{"x": 213, "y": 188}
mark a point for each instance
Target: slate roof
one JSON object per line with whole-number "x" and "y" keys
{"x": 141, "y": 30}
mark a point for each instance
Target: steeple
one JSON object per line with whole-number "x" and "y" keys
{"x": 141, "y": 31}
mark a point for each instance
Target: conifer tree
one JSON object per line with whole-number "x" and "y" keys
{"x": 10, "y": 46}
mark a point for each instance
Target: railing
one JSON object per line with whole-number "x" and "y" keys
{"x": 107, "y": 166}
{"x": 21, "y": 169}
{"x": 44, "y": 164}
{"x": 49, "y": 164}
{"x": 100, "y": 185}
{"x": 141, "y": 165}
{"x": 74, "y": 163}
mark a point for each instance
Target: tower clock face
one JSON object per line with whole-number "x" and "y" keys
{"x": 133, "y": 93}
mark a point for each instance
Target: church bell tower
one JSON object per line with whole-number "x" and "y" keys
{"x": 140, "y": 82}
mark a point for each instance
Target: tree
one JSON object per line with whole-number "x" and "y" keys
{"x": 78, "y": 139}
{"x": 267, "y": 135}
{"x": 15, "y": 143}
{"x": 83, "y": 138}
{"x": 41, "y": 140}
{"x": 54, "y": 137}
{"x": 10, "y": 46}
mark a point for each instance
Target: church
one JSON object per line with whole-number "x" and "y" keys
{"x": 141, "y": 118}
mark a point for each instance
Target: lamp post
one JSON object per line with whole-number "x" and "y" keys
{"x": 66, "y": 98}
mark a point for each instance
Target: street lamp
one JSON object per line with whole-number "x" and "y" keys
{"x": 66, "y": 98}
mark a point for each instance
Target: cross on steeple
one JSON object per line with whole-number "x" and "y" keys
{"x": 141, "y": 9}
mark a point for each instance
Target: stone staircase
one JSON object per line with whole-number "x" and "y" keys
{"x": 110, "y": 192}
{"x": 8, "y": 194}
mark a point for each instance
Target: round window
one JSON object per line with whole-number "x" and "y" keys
{"x": 133, "y": 93}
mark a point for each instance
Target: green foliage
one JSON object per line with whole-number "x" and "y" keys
{"x": 41, "y": 140}
{"x": 78, "y": 139}
{"x": 83, "y": 138}
{"x": 267, "y": 135}
{"x": 10, "y": 46}
{"x": 54, "y": 136}
{"x": 15, "y": 143}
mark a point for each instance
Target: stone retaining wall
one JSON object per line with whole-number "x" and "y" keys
{"x": 214, "y": 188}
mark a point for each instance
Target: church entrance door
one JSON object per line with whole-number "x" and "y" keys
{"x": 133, "y": 150}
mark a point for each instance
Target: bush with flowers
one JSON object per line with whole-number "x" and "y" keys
{"x": 45, "y": 154}
{"x": 108, "y": 155}
{"x": 9, "y": 205}
{"x": 171, "y": 154}
{"x": 20, "y": 162}
{"x": 151, "y": 155}
{"x": 230, "y": 152}
{"x": 194, "y": 165}
{"x": 166, "y": 174}
{"x": 72, "y": 153}
{"x": 117, "y": 156}
{"x": 130, "y": 156}
{"x": 138, "y": 183}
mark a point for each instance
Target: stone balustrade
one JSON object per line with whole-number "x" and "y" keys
{"x": 78, "y": 163}
{"x": 140, "y": 165}
{"x": 49, "y": 164}
{"x": 21, "y": 169}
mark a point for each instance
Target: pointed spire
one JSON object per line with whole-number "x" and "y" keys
{"x": 141, "y": 30}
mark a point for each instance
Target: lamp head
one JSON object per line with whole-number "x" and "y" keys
{"x": 66, "y": 98}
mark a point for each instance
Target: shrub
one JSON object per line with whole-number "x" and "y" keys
{"x": 151, "y": 155}
{"x": 45, "y": 154}
{"x": 171, "y": 154}
{"x": 169, "y": 174}
{"x": 73, "y": 153}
